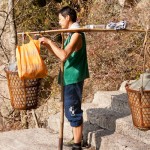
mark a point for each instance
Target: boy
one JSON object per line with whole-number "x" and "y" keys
{"x": 75, "y": 70}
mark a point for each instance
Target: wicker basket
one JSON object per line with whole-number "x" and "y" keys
{"x": 139, "y": 103}
{"x": 23, "y": 93}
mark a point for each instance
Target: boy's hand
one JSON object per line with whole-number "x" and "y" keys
{"x": 43, "y": 40}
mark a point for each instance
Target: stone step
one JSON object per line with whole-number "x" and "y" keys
{"x": 54, "y": 124}
{"x": 106, "y": 140}
{"x": 94, "y": 137}
{"x": 117, "y": 122}
{"x": 125, "y": 126}
{"x": 88, "y": 127}
{"x": 114, "y": 100}
{"x": 103, "y": 117}
{"x": 86, "y": 107}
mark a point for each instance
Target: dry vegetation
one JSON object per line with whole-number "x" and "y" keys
{"x": 119, "y": 56}
{"x": 113, "y": 57}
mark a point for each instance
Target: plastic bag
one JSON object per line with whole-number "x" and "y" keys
{"x": 29, "y": 62}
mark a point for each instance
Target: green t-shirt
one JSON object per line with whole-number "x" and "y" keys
{"x": 76, "y": 66}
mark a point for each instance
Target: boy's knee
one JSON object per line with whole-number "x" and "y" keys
{"x": 74, "y": 116}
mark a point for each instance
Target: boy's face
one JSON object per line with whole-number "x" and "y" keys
{"x": 64, "y": 21}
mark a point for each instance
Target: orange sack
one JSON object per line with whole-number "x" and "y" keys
{"x": 29, "y": 62}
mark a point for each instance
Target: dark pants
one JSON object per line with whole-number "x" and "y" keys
{"x": 72, "y": 103}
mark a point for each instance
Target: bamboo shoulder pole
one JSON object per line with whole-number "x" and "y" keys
{"x": 60, "y": 144}
{"x": 84, "y": 30}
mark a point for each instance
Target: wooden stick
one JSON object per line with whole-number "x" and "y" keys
{"x": 35, "y": 119}
{"x": 60, "y": 144}
{"x": 24, "y": 116}
{"x": 84, "y": 30}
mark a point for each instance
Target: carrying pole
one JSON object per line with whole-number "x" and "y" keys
{"x": 60, "y": 146}
{"x": 83, "y": 30}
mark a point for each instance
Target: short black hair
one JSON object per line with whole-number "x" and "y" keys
{"x": 68, "y": 11}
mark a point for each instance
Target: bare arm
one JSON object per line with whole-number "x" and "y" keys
{"x": 48, "y": 47}
{"x": 74, "y": 45}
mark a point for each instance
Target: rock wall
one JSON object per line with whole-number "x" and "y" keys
{"x": 7, "y": 51}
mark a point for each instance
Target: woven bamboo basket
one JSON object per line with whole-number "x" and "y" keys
{"x": 23, "y": 93}
{"x": 139, "y": 103}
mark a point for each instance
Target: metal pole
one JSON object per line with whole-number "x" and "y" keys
{"x": 60, "y": 146}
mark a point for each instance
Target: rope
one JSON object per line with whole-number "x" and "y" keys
{"x": 144, "y": 63}
{"x": 145, "y": 47}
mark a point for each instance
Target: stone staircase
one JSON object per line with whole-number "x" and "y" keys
{"x": 108, "y": 123}
{"x": 118, "y": 131}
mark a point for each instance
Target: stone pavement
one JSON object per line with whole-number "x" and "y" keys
{"x": 29, "y": 139}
